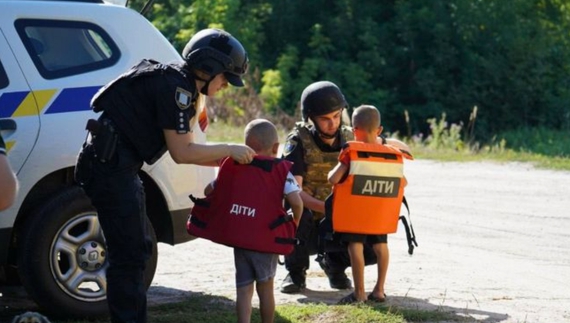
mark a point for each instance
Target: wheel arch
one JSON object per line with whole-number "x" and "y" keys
{"x": 157, "y": 210}
{"x": 36, "y": 197}
{"x": 44, "y": 263}
{"x": 44, "y": 189}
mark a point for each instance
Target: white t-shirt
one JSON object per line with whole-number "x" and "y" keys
{"x": 291, "y": 184}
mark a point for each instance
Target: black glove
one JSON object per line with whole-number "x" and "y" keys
{"x": 2, "y": 146}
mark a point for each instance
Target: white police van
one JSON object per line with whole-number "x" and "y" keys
{"x": 54, "y": 55}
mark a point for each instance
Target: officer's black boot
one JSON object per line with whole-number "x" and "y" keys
{"x": 339, "y": 280}
{"x": 337, "y": 277}
{"x": 293, "y": 283}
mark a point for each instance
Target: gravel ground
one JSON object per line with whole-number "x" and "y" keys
{"x": 493, "y": 247}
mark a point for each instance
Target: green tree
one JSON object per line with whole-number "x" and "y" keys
{"x": 511, "y": 59}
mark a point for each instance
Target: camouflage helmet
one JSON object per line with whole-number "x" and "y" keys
{"x": 320, "y": 98}
{"x": 215, "y": 51}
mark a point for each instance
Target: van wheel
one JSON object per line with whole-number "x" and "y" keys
{"x": 62, "y": 257}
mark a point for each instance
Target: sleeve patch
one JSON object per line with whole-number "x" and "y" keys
{"x": 289, "y": 147}
{"x": 183, "y": 98}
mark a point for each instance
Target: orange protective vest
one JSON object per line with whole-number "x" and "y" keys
{"x": 368, "y": 201}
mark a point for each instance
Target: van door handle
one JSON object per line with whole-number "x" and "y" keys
{"x": 8, "y": 124}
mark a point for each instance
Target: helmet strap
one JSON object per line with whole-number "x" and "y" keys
{"x": 325, "y": 136}
{"x": 322, "y": 134}
{"x": 204, "y": 89}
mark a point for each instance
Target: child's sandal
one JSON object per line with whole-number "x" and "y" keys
{"x": 348, "y": 299}
{"x": 376, "y": 299}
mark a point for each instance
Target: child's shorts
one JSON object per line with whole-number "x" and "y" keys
{"x": 364, "y": 238}
{"x": 254, "y": 266}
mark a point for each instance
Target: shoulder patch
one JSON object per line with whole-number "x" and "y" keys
{"x": 289, "y": 147}
{"x": 183, "y": 98}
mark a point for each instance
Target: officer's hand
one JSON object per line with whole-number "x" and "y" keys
{"x": 241, "y": 153}
{"x": 2, "y": 145}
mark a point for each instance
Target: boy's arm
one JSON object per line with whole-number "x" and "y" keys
{"x": 336, "y": 174}
{"x": 398, "y": 144}
{"x": 209, "y": 188}
{"x": 310, "y": 202}
{"x": 8, "y": 183}
{"x": 184, "y": 150}
{"x": 296, "y": 204}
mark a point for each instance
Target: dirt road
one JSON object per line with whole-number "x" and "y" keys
{"x": 494, "y": 246}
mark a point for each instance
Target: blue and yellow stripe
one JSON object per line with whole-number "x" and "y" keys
{"x": 29, "y": 103}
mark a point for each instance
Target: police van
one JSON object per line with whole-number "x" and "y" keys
{"x": 54, "y": 56}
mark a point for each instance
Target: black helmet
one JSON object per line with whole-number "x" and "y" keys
{"x": 321, "y": 98}
{"x": 215, "y": 51}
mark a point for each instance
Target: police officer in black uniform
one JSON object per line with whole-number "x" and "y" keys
{"x": 313, "y": 148}
{"x": 147, "y": 111}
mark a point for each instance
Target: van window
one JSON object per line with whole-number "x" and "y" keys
{"x": 62, "y": 48}
{"x": 3, "y": 77}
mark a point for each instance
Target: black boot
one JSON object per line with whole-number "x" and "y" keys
{"x": 293, "y": 283}
{"x": 337, "y": 278}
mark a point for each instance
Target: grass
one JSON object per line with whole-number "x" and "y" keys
{"x": 542, "y": 148}
{"x": 504, "y": 156}
{"x": 216, "y": 309}
{"x": 223, "y": 132}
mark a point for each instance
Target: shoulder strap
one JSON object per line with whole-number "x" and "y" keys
{"x": 346, "y": 134}
{"x": 410, "y": 234}
{"x": 144, "y": 66}
{"x": 265, "y": 164}
{"x": 365, "y": 150}
{"x": 305, "y": 135}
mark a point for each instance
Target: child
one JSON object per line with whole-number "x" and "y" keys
{"x": 253, "y": 266}
{"x": 366, "y": 128}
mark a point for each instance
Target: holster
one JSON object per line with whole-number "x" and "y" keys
{"x": 104, "y": 138}
{"x": 84, "y": 165}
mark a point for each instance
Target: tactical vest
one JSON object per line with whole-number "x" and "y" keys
{"x": 150, "y": 146}
{"x": 368, "y": 200}
{"x": 245, "y": 209}
{"x": 144, "y": 67}
{"x": 318, "y": 162}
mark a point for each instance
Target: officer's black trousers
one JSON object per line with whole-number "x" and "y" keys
{"x": 117, "y": 193}
{"x": 297, "y": 262}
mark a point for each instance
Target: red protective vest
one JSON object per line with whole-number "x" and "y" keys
{"x": 245, "y": 209}
{"x": 368, "y": 201}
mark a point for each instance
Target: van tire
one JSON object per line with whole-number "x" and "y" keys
{"x": 61, "y": 257}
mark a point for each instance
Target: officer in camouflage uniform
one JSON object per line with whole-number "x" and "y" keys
{"x": 147, "y": 111}
{"x": 314, "y": 148}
